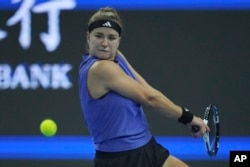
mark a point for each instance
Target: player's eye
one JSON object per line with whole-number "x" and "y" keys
{"x": 112, "y": 38}
{"x": 98, "y": 36}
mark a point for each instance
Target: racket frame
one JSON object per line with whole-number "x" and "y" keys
{"x": 212, "y": 149}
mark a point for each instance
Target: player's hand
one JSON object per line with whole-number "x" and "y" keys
{"x": 203, "y": 128}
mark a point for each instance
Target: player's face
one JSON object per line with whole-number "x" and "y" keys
{"x": 103, "y": 43}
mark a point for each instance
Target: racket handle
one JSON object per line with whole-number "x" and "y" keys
{"x": 195, "y": 128}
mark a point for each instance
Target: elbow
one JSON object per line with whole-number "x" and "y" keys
{"x": 151, "y": 99}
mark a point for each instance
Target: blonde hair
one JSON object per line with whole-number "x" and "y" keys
{"x": 106, "y": 13}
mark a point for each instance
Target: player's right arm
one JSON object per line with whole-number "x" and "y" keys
{"x": 105, "y": 76}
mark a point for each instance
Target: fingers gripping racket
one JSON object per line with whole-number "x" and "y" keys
{"x": 211, "y": 139}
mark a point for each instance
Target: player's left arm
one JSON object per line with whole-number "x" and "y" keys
{"x": 196, "y": 120}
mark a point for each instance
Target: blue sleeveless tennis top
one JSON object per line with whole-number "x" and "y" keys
{"x": 115, "y": 122}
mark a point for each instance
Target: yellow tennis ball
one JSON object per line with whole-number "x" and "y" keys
{"x": 48, "y": 127}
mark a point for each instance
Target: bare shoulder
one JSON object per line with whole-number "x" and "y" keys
{"x": 97, "y": 75}
{"x": 103, "y": 68}
{"x": 102, "y": 76}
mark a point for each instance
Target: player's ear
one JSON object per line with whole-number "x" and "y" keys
{"x": 119, "y": 41}
{"x": 87, "y": 36}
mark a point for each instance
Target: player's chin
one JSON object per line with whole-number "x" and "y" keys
{"x": 105, "y": 55}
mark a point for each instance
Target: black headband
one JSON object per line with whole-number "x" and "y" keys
{"x": 105, "y": 23}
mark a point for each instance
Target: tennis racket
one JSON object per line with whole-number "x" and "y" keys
{"x": 211, "y": 139}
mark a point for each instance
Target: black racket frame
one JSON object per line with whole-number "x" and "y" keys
{"x": 212, "y": 110}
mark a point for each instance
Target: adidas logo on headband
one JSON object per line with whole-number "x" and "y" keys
{"x": 107, "y": 24}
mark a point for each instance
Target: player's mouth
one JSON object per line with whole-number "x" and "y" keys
{"x": 105, "y": 51}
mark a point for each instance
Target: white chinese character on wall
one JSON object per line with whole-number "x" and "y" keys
{"x": 51, "y": 39}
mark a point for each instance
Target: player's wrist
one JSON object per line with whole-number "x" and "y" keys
{"x": 186, "y": 116}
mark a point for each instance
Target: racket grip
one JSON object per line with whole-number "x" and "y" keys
{"x": 195, "y": 128}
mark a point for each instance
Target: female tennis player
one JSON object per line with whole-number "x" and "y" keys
{"x": 112, "y": 94}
